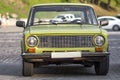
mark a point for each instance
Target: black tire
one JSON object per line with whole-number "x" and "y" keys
{"x": 101, "y": 68}
{"x": 88, "y": 64}
{"x": 116, "y": 28}
{"x": 27, "y": 68}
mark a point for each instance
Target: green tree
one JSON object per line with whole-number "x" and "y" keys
{"x": 67, "y": 0}
{"x": 108, "y": 4}
{"x": 117, "y": 2}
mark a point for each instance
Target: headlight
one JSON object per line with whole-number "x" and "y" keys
{"x": 32, "y": 41}
{"x": 99, "y": 40}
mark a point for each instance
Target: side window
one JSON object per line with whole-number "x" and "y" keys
{"x": 67, "y": 17}
{"x": 71, "y": 17}
{"x": 110, "y": 19}
{"x": 103, "y": 19}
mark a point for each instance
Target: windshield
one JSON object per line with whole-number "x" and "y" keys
{"x": 48, "y": 15}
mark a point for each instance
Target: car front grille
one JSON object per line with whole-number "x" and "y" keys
{"x": 65, "y": 41}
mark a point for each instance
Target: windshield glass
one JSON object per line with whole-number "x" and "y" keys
{"x": 49, "y": 15}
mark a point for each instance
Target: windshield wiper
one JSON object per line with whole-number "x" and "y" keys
{"x": 72, "y": 22}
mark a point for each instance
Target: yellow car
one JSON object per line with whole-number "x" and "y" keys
{"x": 81, "y": 41}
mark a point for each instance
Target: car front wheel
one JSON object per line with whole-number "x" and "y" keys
{"x": 101, "y": 68}
{"x": 27, "y": 68}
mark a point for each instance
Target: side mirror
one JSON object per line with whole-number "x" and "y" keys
{"x": 104, "y": 23}
{"x": 20, "y": 23}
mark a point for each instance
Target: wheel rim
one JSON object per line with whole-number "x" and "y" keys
{"x": 116, "y": 28}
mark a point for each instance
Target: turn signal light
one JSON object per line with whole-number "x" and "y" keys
{"x": 99, "y": 49}
{"x": 31, "y": 50}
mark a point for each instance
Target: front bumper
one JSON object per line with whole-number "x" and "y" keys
{"x": 97, "y": 56}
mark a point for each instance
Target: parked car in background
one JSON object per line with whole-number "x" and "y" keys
{"x": 114, "y": 23}
{"x": 64, "y": 18}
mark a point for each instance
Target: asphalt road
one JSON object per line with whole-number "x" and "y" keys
{"x": 11, "y": 65}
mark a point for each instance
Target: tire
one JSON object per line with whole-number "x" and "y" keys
{"x": 101, "y": 68}
{"x": 116, "y": 28}
{"x": 27, "y": 68}
{"x": 88, "y": 64}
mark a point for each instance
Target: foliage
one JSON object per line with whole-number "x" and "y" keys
{"x": 23, "y": 8}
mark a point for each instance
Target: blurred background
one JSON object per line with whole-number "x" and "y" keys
{"x": 20, "y": 8}
{"x": 13, "y": 10}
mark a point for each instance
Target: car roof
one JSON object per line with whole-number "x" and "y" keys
{"x": 65, "y": 14}
{"x": 53, "y": 4}
{"x": 107, "y": 17}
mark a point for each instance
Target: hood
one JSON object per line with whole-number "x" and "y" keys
{"x": 65, "y": 29}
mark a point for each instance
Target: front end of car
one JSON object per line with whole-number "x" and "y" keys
{"x": 45, "y": 44}
{"x": 65, "y": 42}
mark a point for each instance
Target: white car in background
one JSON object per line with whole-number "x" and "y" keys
{"x": 65, "y": 18}
{"x": 113, "y": 22}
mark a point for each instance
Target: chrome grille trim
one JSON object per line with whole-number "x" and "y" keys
{"x": 65, "y": 41}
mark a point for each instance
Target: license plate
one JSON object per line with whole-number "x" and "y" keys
{"x": 65, "y": 54}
